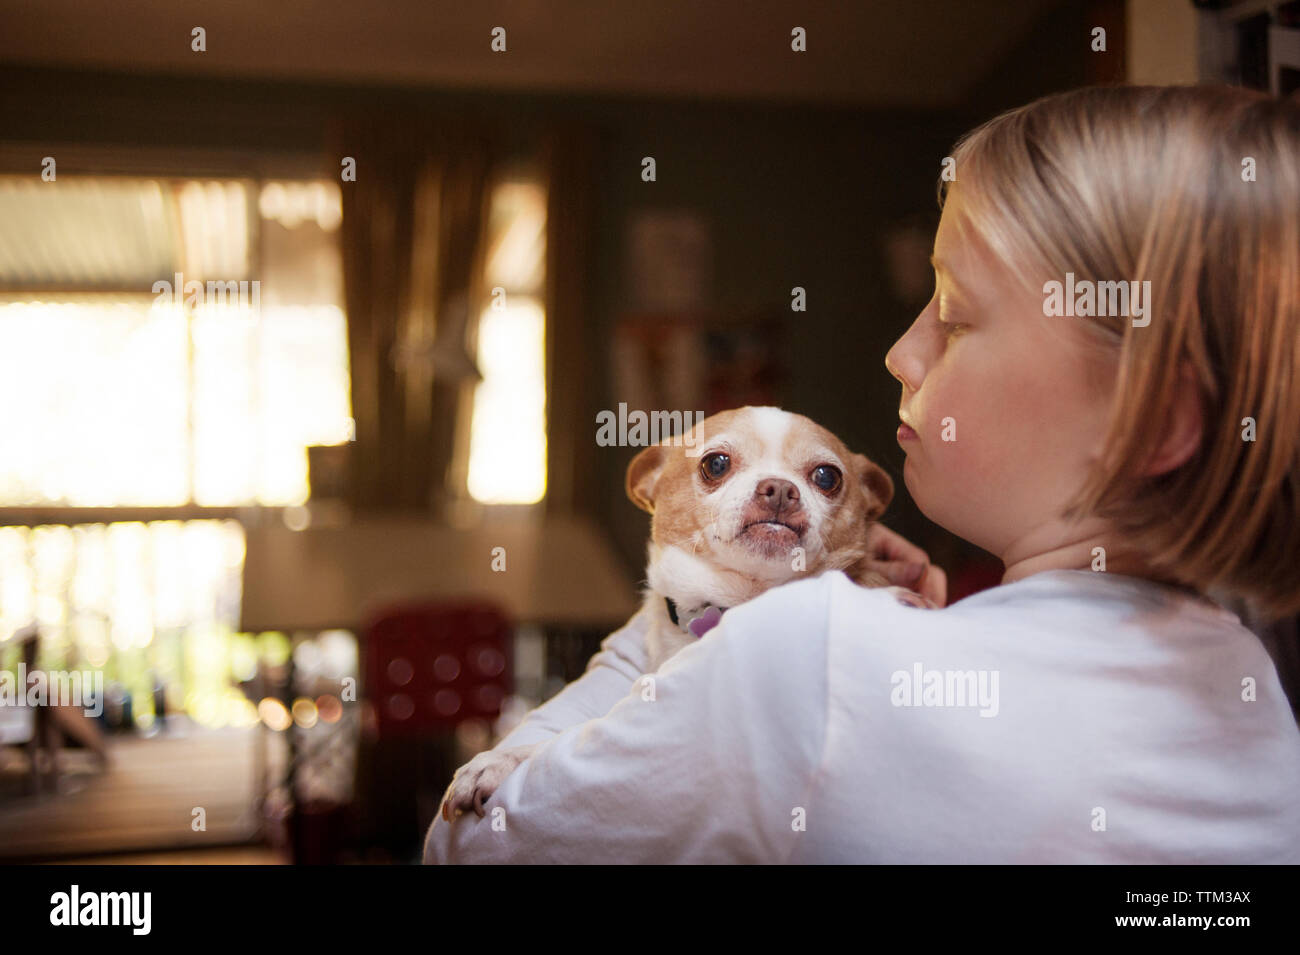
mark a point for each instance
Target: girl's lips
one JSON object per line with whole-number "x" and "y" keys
{"x": 905, "y": 433}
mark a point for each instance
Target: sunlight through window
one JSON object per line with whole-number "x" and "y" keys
{"x": 114, "y": 395}
{"x": 507, "y": 454}
{"x": 507, "y": 463}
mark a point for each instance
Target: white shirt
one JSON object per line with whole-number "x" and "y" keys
{"x": 1119, "y": 729}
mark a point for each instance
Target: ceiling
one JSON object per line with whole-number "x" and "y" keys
{"x": 882, "y": 53}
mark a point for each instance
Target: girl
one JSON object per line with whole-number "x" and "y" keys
{"x": 1102, "y": 392}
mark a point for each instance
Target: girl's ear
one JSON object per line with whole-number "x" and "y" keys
{"x": 642, "y": 476}
{"x": 1186, "y": 426}
{"x": 877, "y": 485}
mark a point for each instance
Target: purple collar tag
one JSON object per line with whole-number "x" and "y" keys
{"x": 705, "y": 622}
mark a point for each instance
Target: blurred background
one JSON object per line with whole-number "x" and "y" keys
{"x": 307, "y": 312}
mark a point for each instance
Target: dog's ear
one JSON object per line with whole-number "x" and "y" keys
{"x": 642, "y": 476}
{"x": 876, "y": 484}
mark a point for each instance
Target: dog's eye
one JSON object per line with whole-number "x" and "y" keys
{"x": 826, "y": 477}
{"x": 715, "y": 465}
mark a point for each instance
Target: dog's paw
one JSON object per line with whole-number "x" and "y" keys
{"x": 476, "y": 781}
{"x": 911, "y": 598}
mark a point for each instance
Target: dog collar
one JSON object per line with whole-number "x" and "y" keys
{"x": 699, "y": 625}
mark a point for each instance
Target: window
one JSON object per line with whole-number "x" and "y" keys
{"x": 204, "y": 387}
{"x": 507, "y": 455}
{"x": 164, "y": 343}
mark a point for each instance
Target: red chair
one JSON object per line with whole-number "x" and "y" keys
{"x": 431, "y": 666}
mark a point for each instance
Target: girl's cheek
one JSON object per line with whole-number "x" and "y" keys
{"x": 967, "y": 464}
{"x": 975, "y": 439}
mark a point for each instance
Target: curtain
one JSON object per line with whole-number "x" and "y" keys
{"x": 572, "y": 155}
{"x": 412, "y": 236}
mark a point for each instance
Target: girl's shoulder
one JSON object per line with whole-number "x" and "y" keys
{"x": 1058, "y": 617}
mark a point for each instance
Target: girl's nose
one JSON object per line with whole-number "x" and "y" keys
{"x": 918, "y": 348}
{"x": 903, "y": 360}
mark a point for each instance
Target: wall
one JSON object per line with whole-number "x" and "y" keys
{"x": 1162, "y": 45}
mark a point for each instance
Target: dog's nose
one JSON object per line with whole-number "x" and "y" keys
{"x": 777, "y": 492}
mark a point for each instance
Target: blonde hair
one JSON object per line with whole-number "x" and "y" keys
{"x": 1151, "y": 183}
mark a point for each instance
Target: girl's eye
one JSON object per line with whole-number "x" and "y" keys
{"x": 715, "y": 465}
{"x": 826, "y": 477}
{"x": 950, "y": 328}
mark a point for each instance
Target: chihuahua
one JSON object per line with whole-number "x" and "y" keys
{"x": 749, "y": 499}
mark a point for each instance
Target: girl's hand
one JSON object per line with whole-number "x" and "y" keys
{"x": 904, "y": 564}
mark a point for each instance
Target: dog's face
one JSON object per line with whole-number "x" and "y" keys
{"x": 755, "y": 493}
